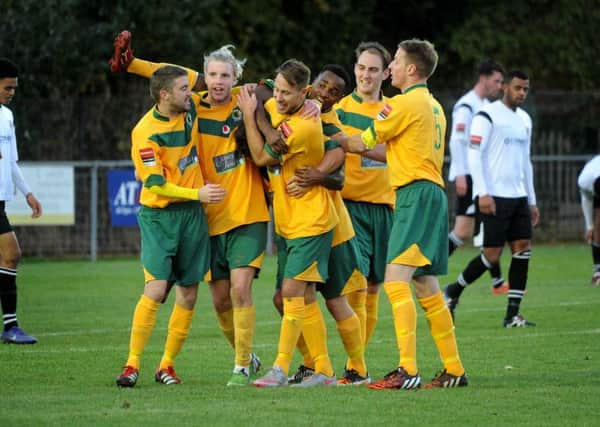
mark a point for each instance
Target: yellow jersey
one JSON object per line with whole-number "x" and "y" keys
{"x": 344, "y": 230}
{"x": 413, "y": 125}
{"x": 223, "y": 164}
{"x": 314, "y": 213}
{"x": 366, "y": 180}
{"x": 164, "y": 149}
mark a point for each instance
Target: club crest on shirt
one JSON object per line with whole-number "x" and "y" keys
{"x": 147, "y": 156}
{"x": 387, "y": 109}
{"x": 236, "y": 114}
{"x": 226, "y": 129}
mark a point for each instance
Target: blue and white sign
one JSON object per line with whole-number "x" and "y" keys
{"x": 123, "y": 197}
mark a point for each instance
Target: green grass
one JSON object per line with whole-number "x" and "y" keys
{"x": 81, "y": 314}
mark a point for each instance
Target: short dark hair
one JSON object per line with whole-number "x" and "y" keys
{"x": 8, "y": 69}
{"x": 375, "y": 48}
{"x": 163, "y": 79}
{"x": 516, "y": 74}
{"x": 489, "y": 67}
{"x": 341, "y": 72}
{"x": 295, "y": 72}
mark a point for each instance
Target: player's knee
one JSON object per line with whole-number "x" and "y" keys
{"x": 11, "y": 258}
{"x": 278, "y": 301}
{"x": 339, "y": 308}
{"x": 490, "y": 258}
{"x": 241, "y": 293}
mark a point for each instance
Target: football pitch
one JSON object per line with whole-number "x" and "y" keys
{"x": 81, "y": 313}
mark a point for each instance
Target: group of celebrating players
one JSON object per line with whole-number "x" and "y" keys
{"x": 355, "y": 183}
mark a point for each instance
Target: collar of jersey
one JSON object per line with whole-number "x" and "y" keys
{"x": 159, "y": 116}
{"x": 418, "y": 85}
{"x": 358, "y": 98}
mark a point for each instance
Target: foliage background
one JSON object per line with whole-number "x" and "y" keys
{"x": 70, "y": 107}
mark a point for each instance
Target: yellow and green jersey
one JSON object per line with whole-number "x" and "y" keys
{"x": 223, "y": 164}
{"x": 344, "y": 230}
{"x": 165, "y": 150}
{"x": 314, "y": 213}
{"x": 366, "y": 180}
{"x": 413, "y": 125}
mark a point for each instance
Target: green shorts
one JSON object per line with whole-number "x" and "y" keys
{"x": 345, "y": 275}
{"x": 372, "y": 224}
{"x": 242, "y": 246}
{"x": 308, "y": 257}
{"x": 419, "y": 236}
{"x": 175, "y": 242}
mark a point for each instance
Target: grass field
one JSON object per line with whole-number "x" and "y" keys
{"x": 81, "y": 313}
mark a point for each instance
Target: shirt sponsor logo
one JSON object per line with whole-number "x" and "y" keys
{"x": 366, "y": 163}
{"x": 189, "y": 160}
{"x": 228, "y": 161}
{"x": 147, "y": 156}
{"x": 226, "y": 129}
{"x": 387, "y": 109}
{"x": 508, "y": 141}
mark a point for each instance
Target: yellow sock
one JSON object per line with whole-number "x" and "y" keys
{"x": 303, "y": 349}
{"x": 349, "y": 330}
{"x": 143, "y": 68}
{"x": 315, "y": 335}
{"x": 442, "y": 331}
{"x": 291, "y": 326}
{"x": 358, "y": 302}
{"x": 144, "y": 318}
{"x": 372, "y": 314}
{"x": 179, "y": 328}
{"x": 405, "y": 323}
{"x": 244, "y": 320}
{"x": 226, "y": 324}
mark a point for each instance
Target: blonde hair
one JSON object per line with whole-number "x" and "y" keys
{"x": 225, "y": 54}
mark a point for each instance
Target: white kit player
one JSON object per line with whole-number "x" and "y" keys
{"x": 589, "y": 187}
{"x": 488, "y": 88}
{"x": 500, "y": 165}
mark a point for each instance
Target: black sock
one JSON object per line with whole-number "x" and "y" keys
{"x": 496, "y": 273}
{"x": 451, "y": 247}
{"x": 472, "y": 272}
{"x": 596, "y": 256}
{"x": 8, "y": 297}
{"x": 517, "y": 277}
{"x": 453, "y": 242}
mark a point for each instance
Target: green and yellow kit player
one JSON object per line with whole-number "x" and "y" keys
{"x": 173, "y": 226}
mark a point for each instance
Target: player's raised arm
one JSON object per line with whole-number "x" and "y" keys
{"x": 123, "y": 60}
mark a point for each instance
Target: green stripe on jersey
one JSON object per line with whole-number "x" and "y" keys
{"x": 153, "y": 180}
{"x": 179, "y": 138}
{"x": 329, "y": 129}
{"x": 355, "y": 120}
{"x": 221, "y": 128}
{"x": 330, "y": 144}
